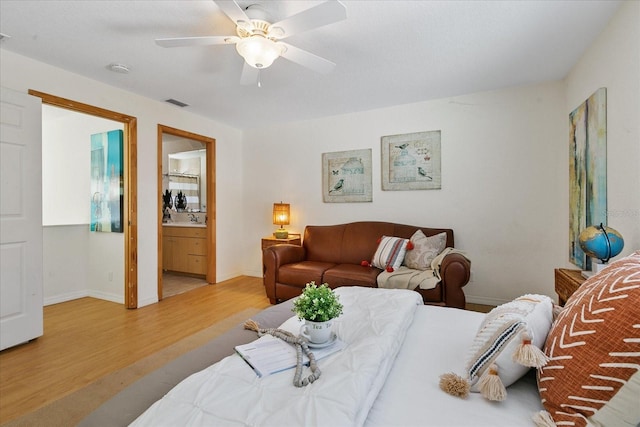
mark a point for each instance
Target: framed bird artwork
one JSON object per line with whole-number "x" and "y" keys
{"x": 346, "y": 176}
{"x": 411, "y": 161}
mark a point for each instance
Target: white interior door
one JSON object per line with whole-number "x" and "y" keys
{"x": 21, "y": 316}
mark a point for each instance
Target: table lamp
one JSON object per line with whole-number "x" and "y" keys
{"x": 281, "y": 215}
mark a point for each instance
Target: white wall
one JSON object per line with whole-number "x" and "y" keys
{"x": 66, "y": 263}
{"x": 504, "y": 168}
{"x": 21, "y": 74}
{"x": 504, "y": 163}
{"x": 502, "y": 157}
{"x": 66, "y": 164}
{"x": 613, "y": 61}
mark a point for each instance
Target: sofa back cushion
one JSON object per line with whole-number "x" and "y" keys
{"x": 355, "y": 242}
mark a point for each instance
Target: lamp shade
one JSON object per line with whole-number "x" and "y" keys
{"x": 259, "y": 52}
{"x": 281, "y": 214}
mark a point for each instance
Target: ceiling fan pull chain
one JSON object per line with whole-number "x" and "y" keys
{"x": 259, "y": 78}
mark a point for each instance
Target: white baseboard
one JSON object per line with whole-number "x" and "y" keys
{"x": 57, "y": 299}
{"x": 145, "y": 302}
{"x": 253, "y": 273}
{"x": 69, "y": 296}
{"x": 107, "y": 296}
{"x": 222, "y": 278}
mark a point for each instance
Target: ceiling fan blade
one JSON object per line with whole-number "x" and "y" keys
{"x": 232, "y": 10}
{"x": 307, "y": 59}
{"x": 197, "y": 41}
{"x": 322, "y": 14}
{"x": 249, "y": 75}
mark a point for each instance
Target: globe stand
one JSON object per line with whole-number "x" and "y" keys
{"x": 596, "y": 267}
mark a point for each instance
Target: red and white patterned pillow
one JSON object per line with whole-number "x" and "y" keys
{"x": 390, "y": 253}
{"x": 593, "y": 373}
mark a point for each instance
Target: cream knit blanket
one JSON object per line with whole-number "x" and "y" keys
{"x": 407, "y": 278}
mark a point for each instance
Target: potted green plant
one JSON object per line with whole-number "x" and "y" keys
{"x": 317, "y": 306}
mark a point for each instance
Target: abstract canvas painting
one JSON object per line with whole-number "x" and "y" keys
{"x": 587, "y": 171}
{"x": 107, "y": 189}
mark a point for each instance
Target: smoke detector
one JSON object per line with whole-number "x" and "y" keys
{"x": 118, "y": 68}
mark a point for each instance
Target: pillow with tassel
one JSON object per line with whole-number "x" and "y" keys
{"x": 425, "y": 249}
{"x": 507, "y": 344}
{"x": 390, "y": 253}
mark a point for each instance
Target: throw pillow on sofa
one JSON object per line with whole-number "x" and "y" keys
{"x": 390, "y": 253}
{"x": 507, "y": 344}
{"x": 425, "y": 249}
{"x": 593, "y": 375}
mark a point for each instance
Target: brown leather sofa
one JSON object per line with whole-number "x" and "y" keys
{"x": 333, "y": 254}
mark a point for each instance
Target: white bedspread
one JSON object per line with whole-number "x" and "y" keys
{"x": 373, "y": 325}
{"x": 438, "y": 342}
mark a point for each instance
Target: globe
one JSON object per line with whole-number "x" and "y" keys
{"x": 601, "y": 242}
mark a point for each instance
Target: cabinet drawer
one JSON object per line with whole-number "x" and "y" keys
{"x": 185, "y": 231}
{"x": 197, "y": 264}
{"x": 197, "y": 247}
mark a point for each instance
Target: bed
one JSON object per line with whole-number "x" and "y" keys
{"x": 411, "y": 346}
{"x": 398, "y": 387}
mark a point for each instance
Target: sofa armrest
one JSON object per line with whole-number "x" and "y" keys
{"x": 455, "y": 271}
{"x": 272, "y": 258}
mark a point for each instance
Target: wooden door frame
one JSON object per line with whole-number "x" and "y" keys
{"x": 130, "y": 183}
{"x": 210, "y": 144}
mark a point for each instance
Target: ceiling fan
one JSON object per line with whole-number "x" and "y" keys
{"x": 258, "y": 41}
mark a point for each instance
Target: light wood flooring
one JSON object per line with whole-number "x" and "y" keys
{"x": 175, "y": 284}
{"x": 86, "y": 339}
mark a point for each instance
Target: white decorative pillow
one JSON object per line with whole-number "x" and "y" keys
{"x": 425, "y": 249}
{"x": 508, "y": 343}
{"x": 390, "y": 253}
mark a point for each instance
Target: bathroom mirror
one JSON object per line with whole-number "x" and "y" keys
{"x": 184, "y": 168}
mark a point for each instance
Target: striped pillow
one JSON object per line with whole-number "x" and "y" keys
{"x": 390, "y": 253}
{"x": 525, "y": 319}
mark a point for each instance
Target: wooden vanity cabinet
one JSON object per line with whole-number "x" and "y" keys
{"x": 184, "y": 249}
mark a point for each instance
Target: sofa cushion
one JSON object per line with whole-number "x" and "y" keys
{"x": 350, "y": 275}
{"x": 525, "y": 320}
{"x": 425, "y": 249}
{"x": 390, "y": 253}
{"x": 592, "y": 377}
{"x": 301, "y": 273}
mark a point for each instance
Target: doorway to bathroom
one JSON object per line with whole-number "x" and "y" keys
{"x": 186, "y": 211}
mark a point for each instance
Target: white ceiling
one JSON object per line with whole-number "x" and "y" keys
{"x": 387, "y": 52}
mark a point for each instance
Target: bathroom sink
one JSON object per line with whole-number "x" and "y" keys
{"x": 184, "y": 224}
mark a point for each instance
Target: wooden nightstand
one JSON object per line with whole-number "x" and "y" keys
{"x": 567, "y": 282}
{"x": 293, "y": 239}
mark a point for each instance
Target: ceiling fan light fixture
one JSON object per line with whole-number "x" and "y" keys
{"x": 259, "y": 52}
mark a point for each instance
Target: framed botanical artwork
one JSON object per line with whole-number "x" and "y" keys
{"x": 411, "y": 161}
{"x": 587, "y": 171}
{"x": 346, "y": 176}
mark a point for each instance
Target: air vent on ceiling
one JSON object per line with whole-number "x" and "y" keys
{"x": 176, "y": 102}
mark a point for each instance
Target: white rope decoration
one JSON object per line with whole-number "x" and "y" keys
{"x": 301, "y": 346}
